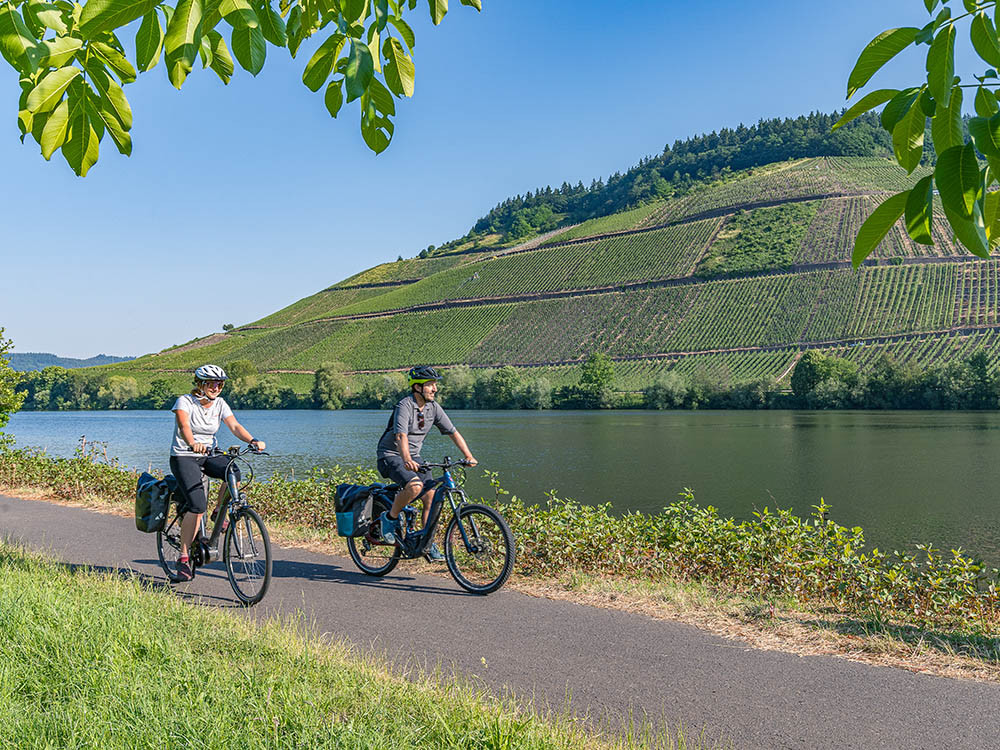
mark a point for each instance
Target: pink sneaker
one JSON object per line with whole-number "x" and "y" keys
{"x": 184, "y": 572}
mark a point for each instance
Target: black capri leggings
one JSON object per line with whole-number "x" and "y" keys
{"x": 189, "y": 471}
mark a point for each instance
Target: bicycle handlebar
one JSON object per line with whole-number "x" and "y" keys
{"x": 238, "y": 450}
{"x": 447, "y": 464}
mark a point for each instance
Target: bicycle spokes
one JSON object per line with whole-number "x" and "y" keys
{"x": 479, "y": 549}
{"x": 247, "y": 556}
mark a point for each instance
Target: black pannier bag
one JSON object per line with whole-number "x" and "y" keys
{"x": 152, "y": 499}
{"x": 353, "y": 505}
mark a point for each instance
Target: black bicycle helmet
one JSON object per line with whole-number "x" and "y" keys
{"x": 421, "y": 374}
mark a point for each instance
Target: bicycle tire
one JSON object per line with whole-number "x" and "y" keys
{"x": 168, "y": 543}
{"x": 487, "y": 566}
{"x": 247, "y": 556}
{"x": 364, "y": 552}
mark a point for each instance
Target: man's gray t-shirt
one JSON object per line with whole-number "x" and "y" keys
{"x": 415, "y": 423}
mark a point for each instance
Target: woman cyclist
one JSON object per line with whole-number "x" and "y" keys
{"x": 197, "y": 418}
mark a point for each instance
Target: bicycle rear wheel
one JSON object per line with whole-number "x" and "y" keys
{"x": 485, "y": 563}
{"x": 372, "y": 556}
{"x": 247, "y": 556}
{"x": 168, "y": 542}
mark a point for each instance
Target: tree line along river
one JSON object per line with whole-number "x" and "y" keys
{"x": 905, "y": 477}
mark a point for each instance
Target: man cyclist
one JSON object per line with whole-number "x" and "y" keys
{"x": 398, "y": 450}
{"x": 198, "y": 415}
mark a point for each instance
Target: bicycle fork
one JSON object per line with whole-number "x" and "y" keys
{"x": 469, "y": 546}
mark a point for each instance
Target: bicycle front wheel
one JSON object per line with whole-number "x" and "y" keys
{"x": 482, "y": 559}
{"x": 168, "y": 542}
{"x": 247, "y": 555}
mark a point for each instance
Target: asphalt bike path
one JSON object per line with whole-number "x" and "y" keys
{"x": 610, "y": 665}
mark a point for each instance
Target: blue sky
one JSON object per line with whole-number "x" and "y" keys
{"x": 240, "y": 199}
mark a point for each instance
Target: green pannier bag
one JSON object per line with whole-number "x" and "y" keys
{"x": 152, "y": 500}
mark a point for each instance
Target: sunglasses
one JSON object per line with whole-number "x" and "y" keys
{"x": 420, "y": 420}
{"x": 215, "y": 383}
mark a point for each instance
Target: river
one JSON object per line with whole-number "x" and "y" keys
{"x": 905, "y": 477}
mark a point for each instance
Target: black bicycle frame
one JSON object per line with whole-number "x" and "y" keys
{"x": 225, "y": 510}
{"x": 416, "y": 543}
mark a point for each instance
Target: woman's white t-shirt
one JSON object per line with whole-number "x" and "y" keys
{"x": 205, "y": 421}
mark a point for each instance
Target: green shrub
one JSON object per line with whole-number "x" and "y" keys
{"x": 775, "y": 554}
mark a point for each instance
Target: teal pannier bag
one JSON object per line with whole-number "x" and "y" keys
{"x": 353, "y": 505}
{"x": 152, "y": 499}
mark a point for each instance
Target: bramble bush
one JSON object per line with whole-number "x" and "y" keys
{"x": 774, "y": 554}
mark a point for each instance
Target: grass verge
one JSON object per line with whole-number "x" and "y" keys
{"x": 101, "y": 660}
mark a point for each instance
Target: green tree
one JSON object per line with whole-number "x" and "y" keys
{"x": 56, "y": 388}
{"x": 597, "y": 371}
{"x": 240, "y": 368}
{"x": 458, "y": 388}
{"x": 597, "y": 377}
{"x": 981, "y": 383}
{"x": 159, "y": 396}
{"x": 520, "y": 228}
{"x": 813, "y": 368}
{"x": 73, "y": 66}
{"x": 329, "y": 386}
{"x": 535, "y": 393}
{"x": 118, "y": 392}
{"x": 969, "y": 205}
{"x": 891, "y": 385}
{"x": 382, "y": 391}
{"x": 265, "y": 394}
{"x": 10, "y": 398}
{"x": 668, "y": 392}
{"x": 500, "y": 389}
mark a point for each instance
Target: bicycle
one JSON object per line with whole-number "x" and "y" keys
{"x": 246, "y": 549}
{"x": 478, "y": 544}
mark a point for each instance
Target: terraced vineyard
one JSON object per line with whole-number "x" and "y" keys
{"x": 872, "y": 174}
{"x": 637, "y": 217}
{"x": 657, "y": 254}
{"x": 408, "y": 270}
{"x": 320, "y": 305}
{"x": 925, "y": 351}
{"x": 976, "y": 301}
{"x": 777, "y": 182}
{"x": 734, "y": 297}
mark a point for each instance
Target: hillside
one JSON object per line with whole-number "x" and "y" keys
{"x": 731, "y": 282}
{"x": 29, "y": 361}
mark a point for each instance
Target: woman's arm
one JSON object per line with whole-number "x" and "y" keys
{"x": 184, "y": 425}
{"x": 240, "y": 431}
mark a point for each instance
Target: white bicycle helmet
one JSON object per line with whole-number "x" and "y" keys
{"x": 210, "y": 372}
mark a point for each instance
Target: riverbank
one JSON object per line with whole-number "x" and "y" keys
{"x": 801, "y": 585}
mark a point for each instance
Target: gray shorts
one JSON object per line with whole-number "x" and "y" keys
{"x": 391, "y": 467}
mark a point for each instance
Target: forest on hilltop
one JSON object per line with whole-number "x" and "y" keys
{"x": 682, "y": 166}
